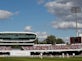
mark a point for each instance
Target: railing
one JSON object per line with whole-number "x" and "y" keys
{"x": 16, "y": 44}
{"x": 31, "y": 40}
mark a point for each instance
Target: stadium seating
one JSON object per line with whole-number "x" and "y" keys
{"x": 5, "y": 48}
{"x": 52, "y": 47}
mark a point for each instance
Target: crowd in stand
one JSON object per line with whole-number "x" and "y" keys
{"x": 5, "y": 48}
{"x": 45, "y": 47}
{"x": 52, "y": 47}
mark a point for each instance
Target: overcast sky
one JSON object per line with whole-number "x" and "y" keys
{"x": 44, "y": 17}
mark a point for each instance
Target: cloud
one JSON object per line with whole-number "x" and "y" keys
{"x": 42, "y": 35}
{"x": 58, "y": 7}
{"x": 28, "y": 28}
{"x": 4, "y": 14}
{"x": 62, "y": 10}
{"x": 66, "y": 25}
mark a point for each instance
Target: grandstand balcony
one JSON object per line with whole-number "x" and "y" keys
{"x": 16, "y": 40}
{"x": 16, "y": 44}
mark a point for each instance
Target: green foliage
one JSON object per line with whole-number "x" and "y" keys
{"x": 36, "y": 41}
{"x": 58, "y": 41}
{"x": 50, "y": 40}
{"x": 53, "y": 40}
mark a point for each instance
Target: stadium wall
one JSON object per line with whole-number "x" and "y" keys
{"x": 14, "y": 53}
{"x": 19, "y": 53}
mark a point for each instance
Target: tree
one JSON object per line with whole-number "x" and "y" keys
{"x": 36, "y": 41}
{"x": 52, "y": 40}
{"x": 59, "y": 41}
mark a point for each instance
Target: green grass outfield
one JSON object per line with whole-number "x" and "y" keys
{"x": 39, "y": 59}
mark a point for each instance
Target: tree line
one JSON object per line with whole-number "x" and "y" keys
{"x": 50, "y": 40}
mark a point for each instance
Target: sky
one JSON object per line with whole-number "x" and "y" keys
{"x": 45, "y": 17}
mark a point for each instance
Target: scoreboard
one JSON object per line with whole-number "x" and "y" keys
{"x": 74, "y": 40}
